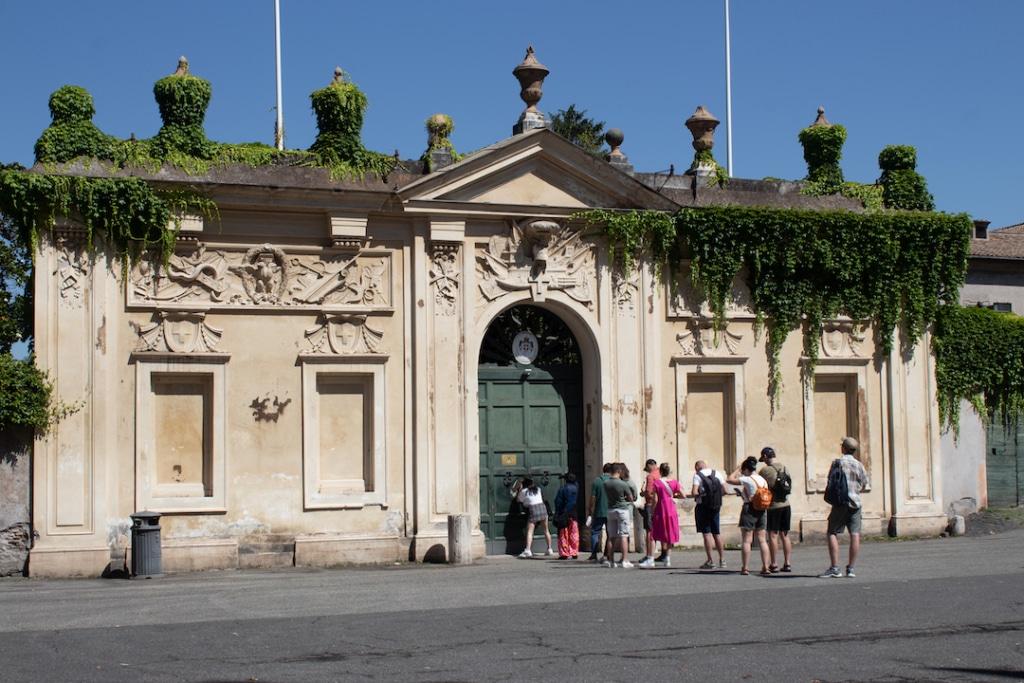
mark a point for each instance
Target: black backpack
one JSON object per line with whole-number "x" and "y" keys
{"x": 710, "y": 491}
{"x": 783, "y": 485}
{"x": 837, "y": 490}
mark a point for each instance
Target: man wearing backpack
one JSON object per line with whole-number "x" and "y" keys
{"x": 757, "y": 498}
{"x": 779, "y": 513}
{"x": 708, "y": 486}
{"x": 847, "y": 478}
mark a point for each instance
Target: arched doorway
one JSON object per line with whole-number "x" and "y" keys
{"x": 530, "y": 417}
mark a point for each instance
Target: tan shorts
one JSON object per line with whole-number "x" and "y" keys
{"x": 620, "y": 523}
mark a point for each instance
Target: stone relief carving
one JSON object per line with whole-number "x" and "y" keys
{"x": 179, "y": 332}
{"x": 343, "y": 335}
{"x": 701, "y": 340}
{"x": 445, "y": 277}
{"x": 539, "y": 256}
{"x": 626, "y": 291}
{"x": 842, "y": 339}
{"x": 72, "y": 270}
{"x": 263, "y": 276}
{"x": 687, "y": 299}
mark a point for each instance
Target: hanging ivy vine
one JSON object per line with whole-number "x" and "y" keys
{"x": 804, "y": 267}
{"x": 979, "y": 358}
{"x": 632, "y": 235}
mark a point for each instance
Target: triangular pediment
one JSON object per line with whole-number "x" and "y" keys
{"x": 537, "y": 169}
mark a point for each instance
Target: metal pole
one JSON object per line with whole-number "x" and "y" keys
{"x": 279, "y": 124}
{"x": 728, "y": 95}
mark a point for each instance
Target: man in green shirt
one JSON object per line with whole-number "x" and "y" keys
{"x": 620, "y": 494}
{"x": 597, "y": 510}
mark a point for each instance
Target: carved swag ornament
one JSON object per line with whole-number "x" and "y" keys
{"x": 539, "y": 256}
{"x": 445, "y": 277}
{"x": 701, "y": 339}
{"x": 344, "y": 335}
{"x": 179, "y": 332}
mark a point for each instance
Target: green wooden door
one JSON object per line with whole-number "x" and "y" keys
{"x": 530, "y": 425}
{"x": 531, "y": 422}
{"x": 1004, "y": 465}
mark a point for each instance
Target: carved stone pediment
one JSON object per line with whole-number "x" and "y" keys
{"x": 701, "y": 339}
{"x": 343, "y": 335}
{"x": 540, "y": 256}
{"x": 179, "y": 332}
{"x": 264, "y": 276}
{"x": 842, "y": 339}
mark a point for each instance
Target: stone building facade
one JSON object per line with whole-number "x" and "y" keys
{"x": 317, "y": 377}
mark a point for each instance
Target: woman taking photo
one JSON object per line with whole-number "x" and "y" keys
{"x": 530, "y": 497}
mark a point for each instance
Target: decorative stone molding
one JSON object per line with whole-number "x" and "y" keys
{"x": 626, "y": 291}
{"x": 687, "y": 300}
{"x": 344, "y": 335}
{"x": 264, "y": 276}
{"x": 540, "y": 256}
{"x": 445, "y": 276}
{"x": 179, "y": 332}
{"x": 348, "y": 232}
{"x": 842, "y": 339}
{"x": 72, "y": 269}
{"x": 701, "y": 339}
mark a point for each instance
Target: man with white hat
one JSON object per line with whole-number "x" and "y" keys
{"x": 847, "y": 478}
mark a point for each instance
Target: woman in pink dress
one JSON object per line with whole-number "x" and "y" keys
{"x": 665, "y": 522}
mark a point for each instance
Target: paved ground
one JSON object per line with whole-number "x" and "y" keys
{"x": 949, "y": 609}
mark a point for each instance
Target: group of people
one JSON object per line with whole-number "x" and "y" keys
{"x": 765, "y": 516}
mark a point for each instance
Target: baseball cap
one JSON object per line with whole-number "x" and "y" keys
{"x": 850, "y": 443}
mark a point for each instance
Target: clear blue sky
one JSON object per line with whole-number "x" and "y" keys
{"x": 942, "y": 75}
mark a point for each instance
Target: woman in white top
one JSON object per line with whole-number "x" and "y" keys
{"x": 751, "y": 521}
{"x": 530, "y": 497}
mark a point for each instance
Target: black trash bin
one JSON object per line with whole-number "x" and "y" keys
{"x": 146, "y": 544}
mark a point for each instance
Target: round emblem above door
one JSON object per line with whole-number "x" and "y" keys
{"x": 525, "y": 347}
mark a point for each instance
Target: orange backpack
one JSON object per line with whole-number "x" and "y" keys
{"x": 762, "y": 498}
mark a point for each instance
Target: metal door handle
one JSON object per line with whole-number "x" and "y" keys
{"x": 507, "y": 481}
{"x": 544, "y": 480}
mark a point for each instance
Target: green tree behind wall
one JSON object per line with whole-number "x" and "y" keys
{"x": 575, "y": 126}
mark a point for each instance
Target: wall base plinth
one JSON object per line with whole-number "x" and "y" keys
{"x": 338, "y": 550}
{"x": 58, "y": 562}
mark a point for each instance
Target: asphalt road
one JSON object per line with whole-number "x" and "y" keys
{"x": 949, "y": 609}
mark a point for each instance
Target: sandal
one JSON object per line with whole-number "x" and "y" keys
{"x": 786, "y": 568}
{"x": 744, "y": 572}
{"x": 773, "y": 568}
{"x": 765, "y": 572}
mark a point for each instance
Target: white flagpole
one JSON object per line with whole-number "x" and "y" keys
{"x": 728, "y": 96}
{"x": 279, "y": 124}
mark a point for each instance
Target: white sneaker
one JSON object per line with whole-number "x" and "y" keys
{"x": 647, "y": 563}
{"x": 606, "y": 563}
{"x": 626, "y": 564}
{"x": 663, "y": 563}
{"x": 526, "y": 553}
{"x": 616, "y": 565}
{"x": 721, "y": 565}
{"x": 549, "y": 553}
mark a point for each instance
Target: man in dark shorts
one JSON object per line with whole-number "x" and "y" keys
{"x": 846, "y": 515}
{"x": 779, "y": 513}
{"x": 706, "y": 513}
{"x": 597, "y": 510}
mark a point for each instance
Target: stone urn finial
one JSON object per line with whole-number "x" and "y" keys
{"x": 821, "y": 121}
{"x": 614, "y": 137}
{"x": 182, "y": 69}
{"x": 702, "y": 126}
{"x": 530, "y": 73}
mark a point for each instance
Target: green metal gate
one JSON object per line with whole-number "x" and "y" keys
{"x": 1004, "y": 465}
